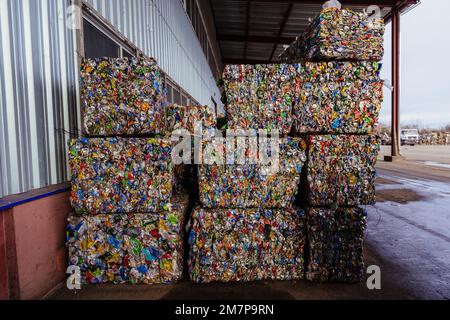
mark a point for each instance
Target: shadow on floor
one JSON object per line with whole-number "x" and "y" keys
{"x": 260, "y": 290}
{"x": 392, "y": 288}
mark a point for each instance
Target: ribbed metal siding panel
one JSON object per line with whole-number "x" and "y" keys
{"x": 161, "y": 29}
{"x": 38, "y": 100}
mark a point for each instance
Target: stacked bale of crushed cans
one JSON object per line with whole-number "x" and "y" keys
{"x": 246, "y": 227}
{"x": 337, "y": 103}
{"x": 127, "y": 225}
{"x": 328, "y": 98}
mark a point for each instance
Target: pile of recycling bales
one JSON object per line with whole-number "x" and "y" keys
{"x": 246, "y": 227}
{"x": 339, "y": 34}
{"x": 121, "y": 96}
{"x": 329, "y": 96}
{"x": 128, "y": 225}
{"x": 337, "y": 107}
{"x": 287, "y": 211}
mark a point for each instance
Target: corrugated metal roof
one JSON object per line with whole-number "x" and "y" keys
{"x": 253, "y": 31}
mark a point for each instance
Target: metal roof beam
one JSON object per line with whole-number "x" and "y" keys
{"x": 247, "y": 26}
{"x": 357, "y": 3}
{"x": 242, "y": 61}
{"x": 260, "y": 39}
{"x": 402, "y": 6}
{"x": 381, "y": 3}
{"x": 237, "y": 33}
{"x": 280, "y": 32}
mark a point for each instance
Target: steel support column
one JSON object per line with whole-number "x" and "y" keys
{"x": 395, "y": 148}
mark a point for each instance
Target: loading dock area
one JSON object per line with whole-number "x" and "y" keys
{"x": 408, "y": 230}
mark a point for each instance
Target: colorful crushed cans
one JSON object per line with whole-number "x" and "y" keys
{"x": 187, "y": 117}
{"x": 120, "y": 175}
{"x": 136, "y": 248}
{"x": 260, "y": 96}
{"x": 246, "y": 244}
{"x": 337, "y": 97}
{"x": 121, "y": 96}
{"x": 341, "y": 169}
{"x": 339, "y": 34}
{"x": 249, "y": 185}
{"x": 335, "y": 238}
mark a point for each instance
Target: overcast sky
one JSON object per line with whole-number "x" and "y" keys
{"x": 425, "y": 66}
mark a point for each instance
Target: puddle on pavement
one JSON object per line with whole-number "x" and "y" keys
{"x": 382, "y": 180}
{"x": 402, "y": 196}
{"x": 430, "y": 188}
{"x": 400, "y": 190}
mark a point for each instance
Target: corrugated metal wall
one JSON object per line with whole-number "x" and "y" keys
{"x": 39, "y": 102}
{"x": 37, "y": 93}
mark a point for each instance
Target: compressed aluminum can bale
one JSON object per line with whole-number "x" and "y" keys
{"x": 120, "y": 175}
{"x": 335, "y": 237}
{"x": 259, "y": 96}
{"x": 94, "y": 245}
{"x": 341, "y": 169}
{"x": 337, "y": 97}
{"x": 104, "y": 248}
{"x": 186, "y": 117}
{"x": 129, "y": 248}
{"x": 121, "y": 96}
{"x": 246, "y": 244}
{"x": 249, "y": 185}
{"x": 339, "y": 34}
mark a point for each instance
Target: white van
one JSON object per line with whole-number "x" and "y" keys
{"x": 409, "y": 137}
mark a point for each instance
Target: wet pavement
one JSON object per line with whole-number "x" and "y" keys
{"x": 409, "y": 229}
{"x": 408, "y": 237}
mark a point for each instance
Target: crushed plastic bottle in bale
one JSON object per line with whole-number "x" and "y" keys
{"x": 339, "y": 34}
{"x": 259, "y": 96}
{"x": 246, "y": 244}
{"x": 121, "y": 96}
{"x": 247, "y": 184}
{"x": 341, "y": 169}
{"x": 129, "y": 248}
{"x": 337, "y": 97}
{"x": 120, "y": 175}
{"x": 335, "y": 239}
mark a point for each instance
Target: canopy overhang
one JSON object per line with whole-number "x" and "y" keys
{"x": 256, "y": 31}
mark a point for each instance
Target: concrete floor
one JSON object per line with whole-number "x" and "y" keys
{"x": 408, "y": 236}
